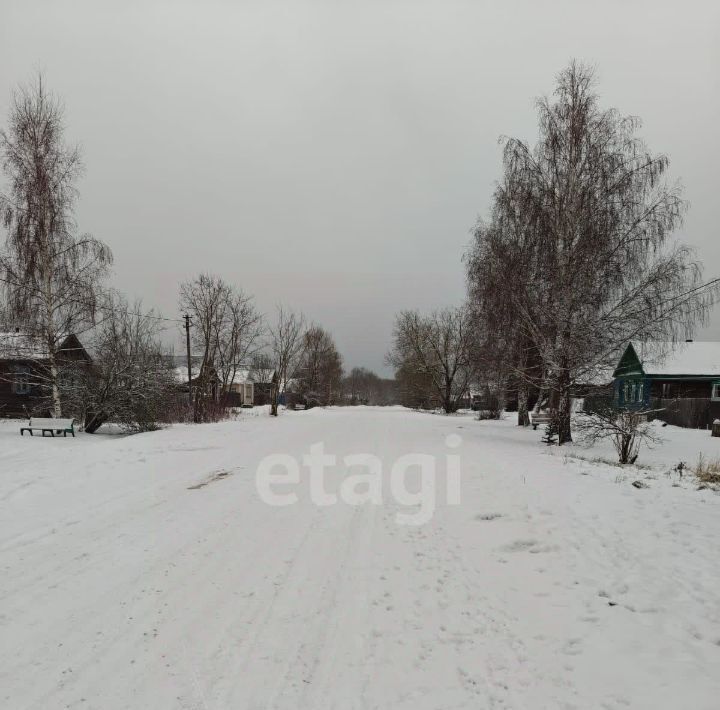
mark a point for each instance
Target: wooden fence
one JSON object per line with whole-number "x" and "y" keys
{"x": 690, "y": 413}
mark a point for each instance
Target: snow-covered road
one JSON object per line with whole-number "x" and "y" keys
{"x": 145, "y": 572}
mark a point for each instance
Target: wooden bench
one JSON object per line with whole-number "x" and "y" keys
{"x": 539, "y": 418}
{"x": 48, "y": 424}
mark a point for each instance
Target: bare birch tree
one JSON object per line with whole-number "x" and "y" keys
{"x": 51, "y": 277}
{"x": 581, "y": 242}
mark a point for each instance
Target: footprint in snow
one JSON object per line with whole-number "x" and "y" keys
{"x": 572, "y": 647}
{"x": 488, "y": 516}
{"x": 519, "y": 546}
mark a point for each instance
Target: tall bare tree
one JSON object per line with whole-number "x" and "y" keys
{"x": 238, "y": 337}
{"x": 286, "y": 348}
{"x": 227, "y": 331}
{"x": 51, "y": 277}
{"x": 579, "y": 243}
{"x": 501, "y": 259}
{"x": 320, "y": 372}
{"x": 206, "y": 299}
{"x": 437, "y": 348}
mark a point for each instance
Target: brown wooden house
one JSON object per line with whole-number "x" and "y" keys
{"x": 24, "y": 363}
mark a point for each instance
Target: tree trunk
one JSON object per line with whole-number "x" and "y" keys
{"x": 502, "y": 395}
{"x": 538, "y": 402}
{"x": 49, "y": 334}
{"x": 542, "y": 391}
{"x": 523, "y": 413}
{"x": 561, "y": 413}
{"x": 197, "y": 401}
{"x": 274, "y": 396}
{"x": 94, "y": 421}
{"x": 56, "y": 402}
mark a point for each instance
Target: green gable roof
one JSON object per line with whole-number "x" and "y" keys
{"x": 691, "y": 360}
{"x": 629, "y": 363}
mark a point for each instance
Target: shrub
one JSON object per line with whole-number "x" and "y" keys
{"x": 707, "y": 471}
{"x": 626, "y": 428}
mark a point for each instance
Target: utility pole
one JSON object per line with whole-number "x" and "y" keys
{"x": 189, "y": 360}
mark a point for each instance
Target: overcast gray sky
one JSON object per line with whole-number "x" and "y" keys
{"x": 335, "y": 155}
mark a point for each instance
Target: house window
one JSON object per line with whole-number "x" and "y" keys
{"x": 715, "y": 393}
{"x": 21, "y": 381}
{"x": 632, "y": 392}
{"x": 67, "y": 381}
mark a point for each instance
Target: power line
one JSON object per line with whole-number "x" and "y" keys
{"x": 150, "y": 315}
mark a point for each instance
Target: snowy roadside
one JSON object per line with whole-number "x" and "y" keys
{"x": 669, "y": 461}
{"x": 145, "y": 572}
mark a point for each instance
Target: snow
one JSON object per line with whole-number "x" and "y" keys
{"x": 145, "y": 572}
{"x": 693, "y": 358}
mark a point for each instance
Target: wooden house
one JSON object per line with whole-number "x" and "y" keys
{"x": 678, "y": 377}
{"x": 24, "y": 364}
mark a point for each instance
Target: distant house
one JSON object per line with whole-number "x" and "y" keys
{"x": 242, "y": 390}
{"x": 24, "y": 366}
{"x": 247, "y": 388}
{"x": 180, "y": 371}
{"x": 653, "y": 374}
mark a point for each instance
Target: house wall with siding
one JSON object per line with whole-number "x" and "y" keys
{"x": 12, "y": 402}
{"x": 681, "y": 389}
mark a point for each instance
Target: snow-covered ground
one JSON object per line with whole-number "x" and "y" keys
{"x": 145, "y": 572}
